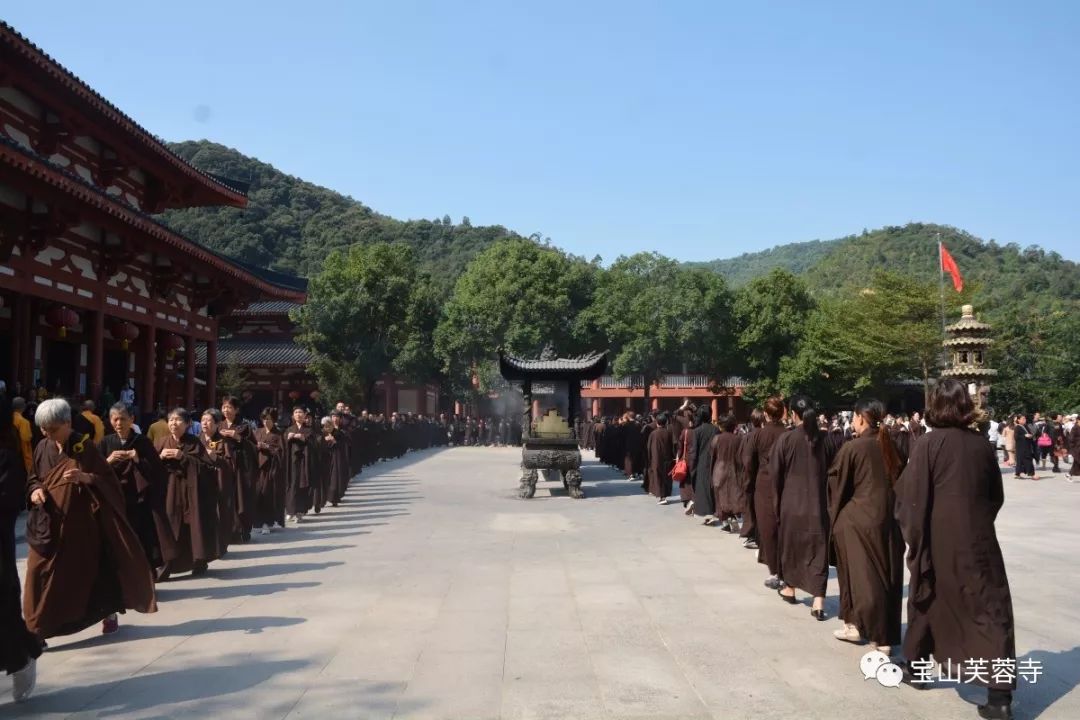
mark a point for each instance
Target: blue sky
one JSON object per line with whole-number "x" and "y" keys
{"x": 697, "y": 129}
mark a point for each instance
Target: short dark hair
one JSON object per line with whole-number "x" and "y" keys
{"x": 728, "y": 422}
{"x": 231, "y": 400}
{"x": 757, "y": 417}
{"x": 774, "y": 408}
{"x": 662, "y": 419}
{"x": 704, "y": 414}
{"x": 121, "y": 407}
{"x": 213, "y": 413}
{"x": 268, "y": 412}
{"x": 950, "y": 405}
{"x": 181, "y": 413}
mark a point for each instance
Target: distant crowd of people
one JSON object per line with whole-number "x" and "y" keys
{"x": 1023, "y": 443}
{"x": 114, "y": 509}
{"x": 808, "y": 492}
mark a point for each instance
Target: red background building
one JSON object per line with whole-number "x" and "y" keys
{"x": 95, "y": 293}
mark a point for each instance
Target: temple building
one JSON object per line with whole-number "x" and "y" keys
{"x": 608, "y": 395}
{"x": 95, "y": 294}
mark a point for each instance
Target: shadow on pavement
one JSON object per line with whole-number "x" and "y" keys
{"x": 250, "y": 625}
{"x": 142, "y": 693}
{"x": 171, "y": 592}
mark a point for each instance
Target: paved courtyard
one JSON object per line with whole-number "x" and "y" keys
{"x": 433, "y": 592}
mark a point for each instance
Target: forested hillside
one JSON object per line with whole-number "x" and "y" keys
{"x": 796, "y": 258}
{"x": 292, "y": 225}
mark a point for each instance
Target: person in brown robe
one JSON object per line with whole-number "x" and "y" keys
{"x": 270, "y": 481}
{"x": 683, "y": 423}
{"x": 725, "y": 448}
{"x": 299, "y": 466}
{"x": 191, "y": 498}
{"x": 947, "y": 498}
{"x": 758, "y": 459}
{"x": 337, "y": 456}
{"x": 800, "y": 465}
{"x": 142, "y": 477}
{"x": 699, "y": 465}
{"x": 84, "y": 563}
{"x": 240, "y": 440}
{"x": 19, "y": 648}
{"x": 220, "y": 463}
{"x": 866, "y": 540}
{"x": 661, "y": 458}
{"x": 1074, "y": 450}
{"x": 747, "y": 480}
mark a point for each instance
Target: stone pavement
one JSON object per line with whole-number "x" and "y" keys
{"x": 433, "y": 592}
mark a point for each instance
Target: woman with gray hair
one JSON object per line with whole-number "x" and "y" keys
{"x": 85, "y": 563}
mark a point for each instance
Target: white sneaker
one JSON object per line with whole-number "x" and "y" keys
{"x": 24, "y": 681}
{"x": 265, "y": 530}
{"x": 290, "y": 518}
{"x": 662, "y": 501}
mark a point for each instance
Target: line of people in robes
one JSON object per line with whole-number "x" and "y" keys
{"x": 805, "y": 496}
{"x": 475, "y": 431}
{"x": 112, "y": 514}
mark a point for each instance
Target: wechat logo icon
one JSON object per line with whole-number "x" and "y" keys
{"x": 876, "y": 664}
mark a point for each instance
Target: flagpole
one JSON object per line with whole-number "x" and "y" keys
{"x": 941, "y": 270}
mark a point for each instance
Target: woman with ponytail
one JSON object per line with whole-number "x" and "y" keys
{"x": 800, "y": 462}
{"x": 866, "y": 539}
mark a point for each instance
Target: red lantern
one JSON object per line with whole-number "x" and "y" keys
{"x": 171, "y": 343}
{"x": 294, "y": 395}
{"x": 124, "y": 331}
{"x": 62, "y": 317}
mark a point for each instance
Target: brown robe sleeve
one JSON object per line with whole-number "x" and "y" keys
{"x": 914, "y": 499}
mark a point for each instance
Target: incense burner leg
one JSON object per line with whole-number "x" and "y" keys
{"x": 573, "y": 484}
{"x": 527, "y": 484}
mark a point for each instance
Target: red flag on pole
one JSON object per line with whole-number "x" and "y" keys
{"x": 949, "y": 265}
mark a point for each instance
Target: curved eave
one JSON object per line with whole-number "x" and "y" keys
{"x": 968, "y": 326}
{"x": 963, "y": 371}
{"x": 957, "y": 342}
{"x": 32, "y": 164}
{"x": 586, "y": 368}
{"x": 84, "y": 94}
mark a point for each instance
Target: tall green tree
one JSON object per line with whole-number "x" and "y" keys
{"x": 368, "y": 313}
{"x": 858, "y": 343}
{"x": 771, "y": 313}
{"x": 518, "y": 296}
{"x": 658, "y": 315}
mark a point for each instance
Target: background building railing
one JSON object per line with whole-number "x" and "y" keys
{"x": 684, "y": 381}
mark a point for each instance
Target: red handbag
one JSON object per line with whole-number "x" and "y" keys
{"x": 680, "y": 471}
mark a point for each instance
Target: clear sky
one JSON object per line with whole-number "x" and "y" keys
{"x": 697, "y": 129}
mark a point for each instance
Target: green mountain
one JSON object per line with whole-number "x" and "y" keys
{"x": 292, "y": 225}
{"x": 794, "y": 257}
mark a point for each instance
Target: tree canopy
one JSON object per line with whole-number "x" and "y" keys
{"x": 658, "y": 315}
{"x": 369, "y": 312}
{"x": 517, "y": 296}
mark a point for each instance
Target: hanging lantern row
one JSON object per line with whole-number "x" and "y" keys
{"x": 124, "y": 331}
{"x": 62, "y": 318}
{"x": 171, "y": 342}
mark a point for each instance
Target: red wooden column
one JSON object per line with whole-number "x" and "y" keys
{"x": 211, "y": 373}
{"x": 149, "y": 364}
{"x": 161, "y": 387}
{"x": 95, "y": 355}
{"x": 20, "y": 336}
{"x": 596, "y": 407}
{"x": 715, "y": 404}
{"x": 189, "y": 372}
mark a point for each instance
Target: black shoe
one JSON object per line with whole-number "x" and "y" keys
{"x": 996, "y": 712}
{"x": 789, "y": 599}
{"x": 772, "y": 582}
{"x": 819, "y": 614}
